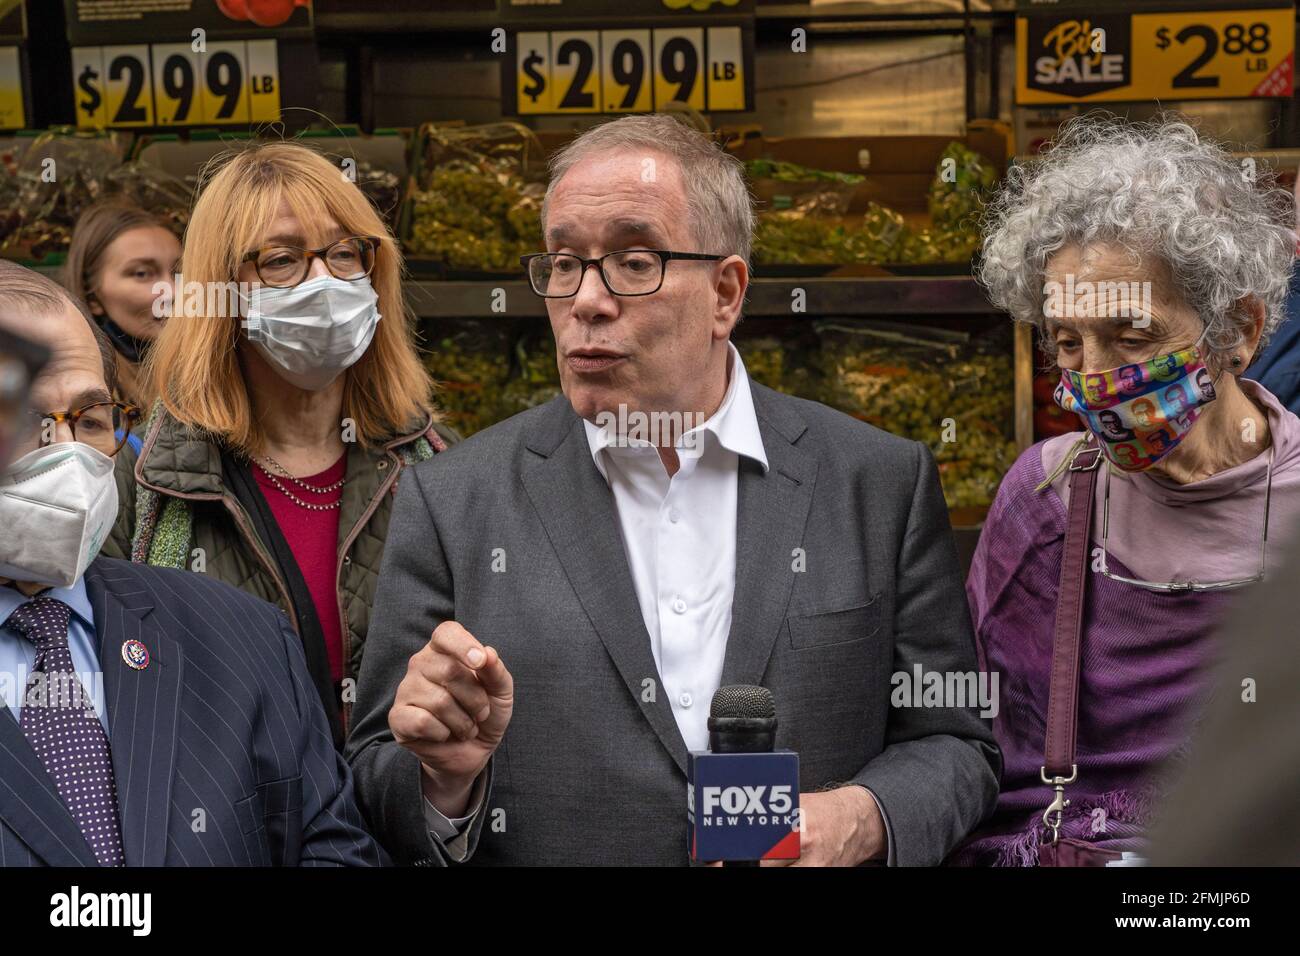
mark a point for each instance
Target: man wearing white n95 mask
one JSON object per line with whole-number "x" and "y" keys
{"x": 110, "y": 671}
{"x": 562, "y": 594}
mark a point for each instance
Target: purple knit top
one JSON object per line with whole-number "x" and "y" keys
{"x": 1146, "y": 655}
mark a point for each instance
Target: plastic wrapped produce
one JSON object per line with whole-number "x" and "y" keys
{"x": 59, "y": 174}
{"x": 536, "y": 378}
{"x": 150, "y": 188}
{"x": 881, "y": 238}
{"x": 794, "y": 237}
{"x": 787, "y": 172}
{"x": 383, "y": 188}
{"x": 957, "y": 201}
{"x": 764, "y": 360}
{"x": 477, "y": 205}
{"x": 955, "y": 396}
{"x": 470, "y": 361}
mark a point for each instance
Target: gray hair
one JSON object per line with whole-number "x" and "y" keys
{"x": 718, "y": 202}
{"x": 1155, "y": 189}
{"x": 31, "y": 295}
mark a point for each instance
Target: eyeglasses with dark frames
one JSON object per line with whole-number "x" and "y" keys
{"x": 282, "y": 267}
{"x": 103, "y": 426}
{"x": 1172, "y": 586}
{"x": 628, "y": 272}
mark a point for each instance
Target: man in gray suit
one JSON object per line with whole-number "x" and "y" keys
{"x": 562, "y": 594}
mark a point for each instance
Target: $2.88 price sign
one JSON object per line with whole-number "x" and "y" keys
{"x": 1240, "y": 53}
{"x": 628, "y": 70}
{"x": 1206, "y": 54}
{"x": 172, "y": 84}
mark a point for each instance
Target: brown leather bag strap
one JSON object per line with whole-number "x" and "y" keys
{"x": 1063, "y": 693}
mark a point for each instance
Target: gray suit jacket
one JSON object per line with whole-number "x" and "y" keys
{"x": 592, "y": 767}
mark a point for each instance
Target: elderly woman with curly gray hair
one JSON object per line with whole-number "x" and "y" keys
{"x": 1154, "y": 269}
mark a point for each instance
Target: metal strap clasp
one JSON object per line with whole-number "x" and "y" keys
{"x": 1080, "y": 462}
{"x": 1056, "y": 809}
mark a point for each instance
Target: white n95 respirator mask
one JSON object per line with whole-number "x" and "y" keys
{"x": 57, "y": 505}
{"x": 312, "y": 332}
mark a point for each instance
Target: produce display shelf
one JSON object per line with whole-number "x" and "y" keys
{"x": 332, "y": 22}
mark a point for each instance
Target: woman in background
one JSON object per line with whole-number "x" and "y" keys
{"x": 290, "y": 401}
{"x": 1178, "y": 267}
{"x": 120, "y": 260}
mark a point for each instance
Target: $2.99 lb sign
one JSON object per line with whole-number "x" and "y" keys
{"x": 629, "y": 70}
{"x": 1206, "y": 54}
{"x": 175, "y": 84}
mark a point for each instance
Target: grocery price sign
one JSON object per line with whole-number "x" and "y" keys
{"x": 13, "y": 34}
{"x": 1105, "y": 53}
{"x": 207, "y": 62}
{"x": 12, "y": 113}
{"x": 589, "y": 60}
{"x": 170, "y": 84}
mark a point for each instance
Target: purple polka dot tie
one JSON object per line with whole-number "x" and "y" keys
{"x": 59, "y": 721}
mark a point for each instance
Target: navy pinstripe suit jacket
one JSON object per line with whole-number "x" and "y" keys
{"x": 221, "y": 750}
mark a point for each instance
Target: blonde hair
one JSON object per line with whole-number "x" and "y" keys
{"x": 193, "y": 362}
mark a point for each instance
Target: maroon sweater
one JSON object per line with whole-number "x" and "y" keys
{"x": 313, "y": 537}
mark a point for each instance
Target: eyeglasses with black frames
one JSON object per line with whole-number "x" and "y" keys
{"x": 558, "y": 275}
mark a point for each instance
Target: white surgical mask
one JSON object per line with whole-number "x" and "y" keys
{"x": 313, "y": 332}
{"x": 57, "y": 505}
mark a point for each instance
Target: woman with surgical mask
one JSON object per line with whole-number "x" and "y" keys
{"x": 120, "y": 267}
{"x": 291, "y": 397}
{"x": 1174, "y": 268}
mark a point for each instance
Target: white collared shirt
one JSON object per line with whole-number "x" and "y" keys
{"x": 679, "y": 535}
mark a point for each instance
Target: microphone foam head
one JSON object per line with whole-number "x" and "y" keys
{"x": 742, "y": 700}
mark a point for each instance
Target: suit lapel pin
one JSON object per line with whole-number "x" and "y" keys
{"x": 135, "y": 654}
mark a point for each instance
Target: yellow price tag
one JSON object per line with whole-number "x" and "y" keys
{"x": 626, "y": 71}
{"x": 128, "y": 86}
{"x": 575, "y": 75}
{"x": 88, "y": 87}
{"x": 225, "y": 85}
{"x": 12, "y": 115}
{"x": 177, "y": 73}
{"x": 263, "y": 81}
{"x": 1226, "y": 54}
{"x": 726, "y": 74}
{"x": 679, "y": 66}
{"x": 533, "y": 72}
{"x": 1215, "y": 54}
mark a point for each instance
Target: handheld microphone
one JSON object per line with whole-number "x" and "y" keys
{"x": 742, "y": 720}
{"x": 742, "y": 798}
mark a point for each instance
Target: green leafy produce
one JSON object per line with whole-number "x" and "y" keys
{"x": 764, "y": 360}
{"x": 471, "y": 219}
{"x": 956, "y": 200}
{"x": 960, "y": 189}
{"x": 957, "y": 400}
{"x": 536, "y": 379}
{"x": 471, "y": 364}
{"x": 796, "y": 238}
{"x": 785, "y": 172}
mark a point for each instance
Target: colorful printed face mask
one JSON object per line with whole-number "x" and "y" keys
{"x": 1140, "y": 413}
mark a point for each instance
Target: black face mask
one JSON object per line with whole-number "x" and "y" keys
{"x": 125, "y": 344}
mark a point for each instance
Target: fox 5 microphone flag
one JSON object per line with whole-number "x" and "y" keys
{"x": 743, "y": 806}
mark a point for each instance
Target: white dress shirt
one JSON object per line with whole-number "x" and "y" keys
{"x": 679, "y": 535}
